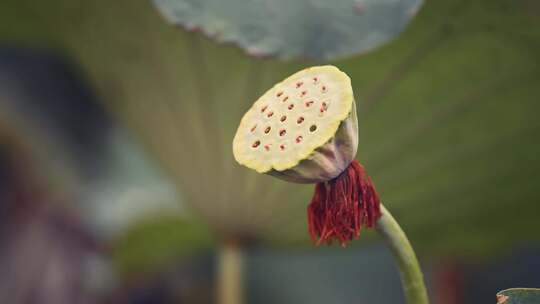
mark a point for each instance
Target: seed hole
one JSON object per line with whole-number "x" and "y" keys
{"x": 300, "y": 120}
{"x": 324, "y": 89}
{"x": 315, "y": 79}
{"x": 291, "y": 106}
{"x": 309, "y": 103}
{"x": 303, "y": 93}
{"x": 283, "y": 118}
{"x": 299, "y": 84}
{"x": 254, "y": 127}
{"x": 312, "y": 128}
{"x": 282, "y": 147}
{"x": 270, "y": 114}
{"x": 256, "y": 144}
{"x": 299, "y": 139}
{"x": 267, "y": 130}
{"x": 264, "y": 109}
{"x": 279, "y": 94}
{"x": 324, "y": 107}
{"x": 282, "y": 132}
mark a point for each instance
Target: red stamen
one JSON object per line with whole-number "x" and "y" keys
{"x": 340, "y": 207}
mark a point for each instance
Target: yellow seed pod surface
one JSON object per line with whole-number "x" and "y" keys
{"x": 293, "y": 119}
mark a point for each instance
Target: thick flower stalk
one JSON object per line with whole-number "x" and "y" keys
{"x": 305, "y": 130}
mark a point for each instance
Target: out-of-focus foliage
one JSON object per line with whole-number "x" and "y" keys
{"x": 71, "y": 180}
{"x": 159, "y": 242}
{"x": 40, "y": 98}
{"x": 519, "y": 296}
{"x": 448, "y": 115}
{"x": 318, "y": 29}
{"x": 128, "y": 189}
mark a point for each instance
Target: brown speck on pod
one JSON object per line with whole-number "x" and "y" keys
{"x": 253, "y": 128}
{"x": 300, "y": 120}
{"x": 315, "y": 80}
{"x": 282, "y": 147}
{"x": 309, "y": 103}
{"x": 324, "y": 89}
{"x": 291, "y": 106}
{"x": 256, "y": 144}
{"x": 282, "y": 132}
{"x": 270, "y": 114}
{"x": 283, "y": 118}
{"x": 285, "y": 98}
{"x": 303, "y": 93}
{"x": 313, "y": 128}
{"x": 267, "y": 130}
{"x": 279, "y": 94}
{"x": 299, "y": 139}
{"x": 324, "y": 107}
{"x": 299, "y": 84}
{"x": 264, "y": 109}
{"x": 267, "y": 147}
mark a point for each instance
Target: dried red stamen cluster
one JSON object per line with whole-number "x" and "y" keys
{"x": 341, "y": 206}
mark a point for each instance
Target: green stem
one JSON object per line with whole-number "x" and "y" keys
{"x": 409, "y": 269}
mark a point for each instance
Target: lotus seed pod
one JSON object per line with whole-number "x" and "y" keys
{"x": 305, "y": 130}
{"x": 302, "y": 130}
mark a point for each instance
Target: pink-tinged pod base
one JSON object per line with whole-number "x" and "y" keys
{"x": 329, "y": 160}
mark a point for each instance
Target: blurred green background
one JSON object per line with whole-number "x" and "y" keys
{"x": 447, "y": 116}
